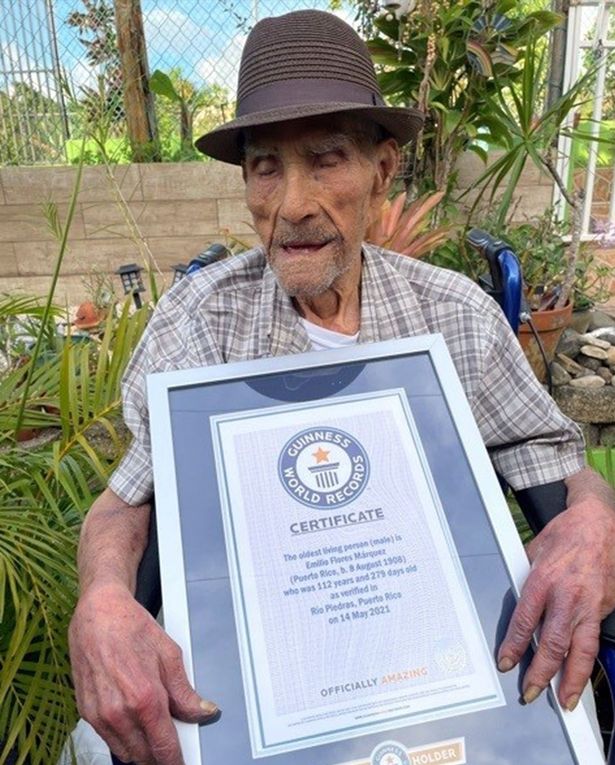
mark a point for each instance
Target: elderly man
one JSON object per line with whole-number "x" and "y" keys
{"x": 319, "y": 150}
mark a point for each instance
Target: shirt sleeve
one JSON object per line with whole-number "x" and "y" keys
{"x": 172, "y": 340}
{"x": 133, "y": 480}
{"x": 530, "y": 441}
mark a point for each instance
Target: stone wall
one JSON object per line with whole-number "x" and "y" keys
{"x": 583, "y": 374}
{"x": 178, "y": 208}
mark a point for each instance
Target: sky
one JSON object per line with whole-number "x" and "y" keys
{"x": 202, "y": 37}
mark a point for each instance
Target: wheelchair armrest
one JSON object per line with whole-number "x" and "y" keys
{"x": 148, "y": 591}
{"x": 540, "y": 504}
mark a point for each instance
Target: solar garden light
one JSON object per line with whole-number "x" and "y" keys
{"x": 132, "y": 282}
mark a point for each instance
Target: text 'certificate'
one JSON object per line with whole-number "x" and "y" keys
{"x": 351, "y": 605}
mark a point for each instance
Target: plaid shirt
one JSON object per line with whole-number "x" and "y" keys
{"x": 235, "y": 310}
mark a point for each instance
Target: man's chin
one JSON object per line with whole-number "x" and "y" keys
{"x": 306, "y": 281}
{"x": 306, "y": 289}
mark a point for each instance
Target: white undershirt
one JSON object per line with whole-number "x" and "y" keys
{"x": 322, "y": 339}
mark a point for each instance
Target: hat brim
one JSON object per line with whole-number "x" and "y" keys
{"x": 224, "y": 143}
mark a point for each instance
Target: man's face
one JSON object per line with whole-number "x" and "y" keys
{"x": 312, "y": 191}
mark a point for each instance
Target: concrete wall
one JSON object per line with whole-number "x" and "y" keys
{"x": 178, "y": 208}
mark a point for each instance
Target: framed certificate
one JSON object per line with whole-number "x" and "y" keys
{"x": 339, "y": 565}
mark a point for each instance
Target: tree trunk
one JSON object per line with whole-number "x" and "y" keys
{"x": 138, "y": 99}
{"x": 186, "y": 126}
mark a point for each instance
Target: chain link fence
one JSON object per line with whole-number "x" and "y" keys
{"x": 61, "y": 75}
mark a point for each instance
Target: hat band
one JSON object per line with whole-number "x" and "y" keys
{"x": 299, "y": 92}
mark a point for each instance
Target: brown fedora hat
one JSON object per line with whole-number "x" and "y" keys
{"x": 303, "y": 64}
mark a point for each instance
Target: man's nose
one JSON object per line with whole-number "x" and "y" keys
{"x": 298, "y": 201}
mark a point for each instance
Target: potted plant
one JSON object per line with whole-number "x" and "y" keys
{"x": 545, "y": 257}
{"x": 480, "y": 74}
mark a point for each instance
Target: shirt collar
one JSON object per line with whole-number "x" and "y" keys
{"x": 389, "y": 309}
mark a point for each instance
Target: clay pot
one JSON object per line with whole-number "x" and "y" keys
{"x": 89, "y": 316}
{"x": 549, "y": 325}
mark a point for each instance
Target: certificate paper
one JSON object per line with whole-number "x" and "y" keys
{"x": 351, "y": 605}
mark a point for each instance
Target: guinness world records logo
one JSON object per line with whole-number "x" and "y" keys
{"x": 323, "y": 467}
{"x": 389, "y": 753}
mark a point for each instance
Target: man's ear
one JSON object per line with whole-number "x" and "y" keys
{"x": 387, "y": 162}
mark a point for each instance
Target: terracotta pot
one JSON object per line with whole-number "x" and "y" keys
{"x": 89, "y": 316}
{"x": 549, "y": 325}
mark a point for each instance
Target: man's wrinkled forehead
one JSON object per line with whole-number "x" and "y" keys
{"x": 305, "y": 145}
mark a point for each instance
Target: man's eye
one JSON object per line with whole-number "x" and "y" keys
{"x": 264, "y": 167}
{"x": 328, "y": 159}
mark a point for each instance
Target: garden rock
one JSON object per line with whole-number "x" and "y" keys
{"x": 583, "y": 377}
{"x": 559, "y": 376}
{"x": 594, "y": 405}
{"x": 591, "y": 433}
{"x": 570, "y": 342}
{"x": 594, "y": 352}
{"x": 591, "y": 339}
{"x": 588, "y": 381}
{"x": 601, "y": 319}
{"x": 588, "y": 362}
{"x": 570, "y": 365}
{"x": 607, "y": 436}
{"x": 605, "y": 333}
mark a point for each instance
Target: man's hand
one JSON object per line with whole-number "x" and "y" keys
{"x": 129, "y": 678}
{"x": 571, "y": 587}
{"x": 128, "y": 674}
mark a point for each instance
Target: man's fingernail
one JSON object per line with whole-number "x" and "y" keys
{"x": 572, "y": 702}
{"x": 505, "y": 664}
{"x": 531, "y": 694}
{"x": 209, "y": 707}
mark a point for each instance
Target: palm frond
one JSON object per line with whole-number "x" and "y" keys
{"x": 44, "y": 494}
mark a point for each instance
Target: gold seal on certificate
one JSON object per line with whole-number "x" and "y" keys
{"x": 352, "y": 608}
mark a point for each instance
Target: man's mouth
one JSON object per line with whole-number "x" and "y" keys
{"x": 298, "y": 247}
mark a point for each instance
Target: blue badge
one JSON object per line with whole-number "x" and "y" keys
{"x": 389, "y": 753}
{"x": 323, "y": 467}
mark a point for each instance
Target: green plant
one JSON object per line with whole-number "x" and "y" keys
{"x": 96, "y": 24}
{"x": 45, "y": 490}
{"x": 452, "y": 58}
{"x": 31, "y": 128}
{"x": 44, "y": 494}
{"x": 190, "y": 107}
{"x": 602, "y": 459}
{"x": 407, "y": 229}
{"x": 532, "y": 138}
{"x": 543, "y": 254}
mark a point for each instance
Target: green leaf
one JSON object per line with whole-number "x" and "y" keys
{"x": 452, "y": 120}
{"x": 479, "y": 151}
{"x": 504, "y": 6}
{"x": 161, "y": 84}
